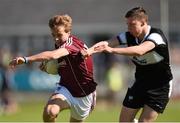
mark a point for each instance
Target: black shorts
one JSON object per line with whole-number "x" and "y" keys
{"x": 155, "y": 97}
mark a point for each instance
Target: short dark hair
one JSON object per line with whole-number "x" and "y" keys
{"x": 137, "y": 13}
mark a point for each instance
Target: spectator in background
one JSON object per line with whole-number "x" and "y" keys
{"x": 8, "y": 103}
{"x": 115, "y": 82}
{"x": 148, "y": 49}
{"x": 76, "y": 89}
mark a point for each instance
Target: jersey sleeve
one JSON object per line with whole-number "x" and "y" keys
{"x": 72, "y": 49}
{"x": 70, "y": 46}
{"x": 156, "y": 38}
{"x": 122, "y": 38}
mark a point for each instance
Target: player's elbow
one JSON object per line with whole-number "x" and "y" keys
{"x": 54, "y": 56}
{"x": 139, "y": 53}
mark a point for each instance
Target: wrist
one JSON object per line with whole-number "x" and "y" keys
{"x": 90, "y": 51}
{"x": 25, "y": 59}
{"x": 111, "y": 50}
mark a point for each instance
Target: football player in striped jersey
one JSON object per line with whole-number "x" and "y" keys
{"x": 147, "y": 47}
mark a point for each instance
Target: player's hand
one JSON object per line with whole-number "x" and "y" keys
{"x": 16, "y": 61}
{"x": 98, "y": 47}
{"x": 87, "y": 52}
{"x": 84, "y": 53}
{"x": 101, "y": 46}
{"x": 42, "y": 66}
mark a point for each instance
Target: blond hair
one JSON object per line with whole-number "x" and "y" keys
{"x": 61, "y": 20}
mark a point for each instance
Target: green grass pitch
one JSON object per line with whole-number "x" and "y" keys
{"x": 32, "y": 112}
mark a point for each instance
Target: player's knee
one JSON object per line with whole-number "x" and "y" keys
{"x": 54, "y": 110}
{"x": 149, "y": 118}
{"x": 50, "y": 113}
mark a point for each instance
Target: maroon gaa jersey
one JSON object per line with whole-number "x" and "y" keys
{"x": 76, "y": 73}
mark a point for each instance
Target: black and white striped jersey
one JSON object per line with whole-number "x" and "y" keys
{"x": 154, "y": 65}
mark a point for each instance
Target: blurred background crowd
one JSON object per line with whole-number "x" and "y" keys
{"x": 24, "y": 31}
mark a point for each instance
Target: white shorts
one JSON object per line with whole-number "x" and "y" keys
{"x": 80, "y": 107}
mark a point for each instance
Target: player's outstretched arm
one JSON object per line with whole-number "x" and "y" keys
{"x": 132, "y": 50}
{"x": 100, "y": 47}
{"x": 47, "y": 55}
{"x": 96, "y": 48}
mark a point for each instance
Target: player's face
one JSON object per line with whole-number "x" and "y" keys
{"x": 135, "y": 27}
{"x": 60, "y": 35}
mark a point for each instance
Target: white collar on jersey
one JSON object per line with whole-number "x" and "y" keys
{"x": 68, "y": 42}
{"x": 149, "y": 28}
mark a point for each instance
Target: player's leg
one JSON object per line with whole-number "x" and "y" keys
{"x": 156, "y": 101}
{"x": 133, "y": 101}
{"x": 148, "y": 114}
{"x": 82, "y": 108}
{"x": 127, "y": 114}
{"x": 55, "y": 104}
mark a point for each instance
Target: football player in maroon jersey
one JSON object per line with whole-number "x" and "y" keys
{"x": 76, "y": 89}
